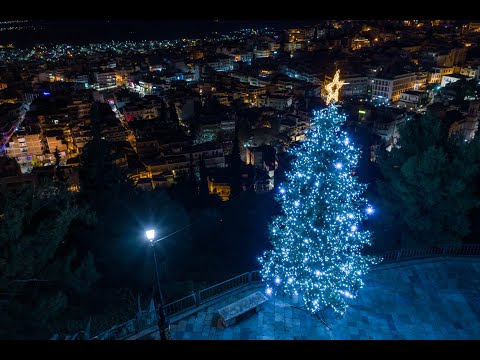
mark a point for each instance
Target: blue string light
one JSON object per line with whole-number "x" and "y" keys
{"x": 317, "y": 246}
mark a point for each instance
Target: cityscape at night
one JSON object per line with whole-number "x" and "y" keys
{"x": 239, "y": 179}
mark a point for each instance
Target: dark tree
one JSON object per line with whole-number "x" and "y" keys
{"x": 428, "y": 185}
{"x": 185, "y": 189}
{"x": 100, "y": 180}
{"x": 56, "y": 154}
{"x": 44, "y": 276}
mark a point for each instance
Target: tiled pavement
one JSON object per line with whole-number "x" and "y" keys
{"x": 431, "y": 299}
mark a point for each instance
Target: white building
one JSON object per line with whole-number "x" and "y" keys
{"x": 82, "y": 79}
{"x": 436, "y": 74}
{"x": 354, "y": 85}
{"x": 23, "y": 144}
{"x": 55, "y": 140}
{"x": 106, "y": 79}
{"x": 222, "y": 64}
{"x": 261, "y": 53}
{"x": 469, "y": 124}
{"x": 81, "y": 135}
{"x": 389, "y": 130}
{"x": 114, "y": 132}
{"x": 278, "y": 102}
{"x": 246, "y": 57}
{"x": 447, "y": 79}
{"x": 182, "y": 158}
{"x": 469, "y": 71}
{"x": 391, "y": 88}
{"x": 228, "y": 125}
{"x": 413, "y": 99}
{"x": 140, "y": 111}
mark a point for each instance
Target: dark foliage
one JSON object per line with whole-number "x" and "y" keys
{"x": 428, "y": 187}
{"x": 45, "y": 278}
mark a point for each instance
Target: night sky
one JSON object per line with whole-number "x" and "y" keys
{"x": 77, "y": 31}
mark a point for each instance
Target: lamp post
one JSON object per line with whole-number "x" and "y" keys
{"x": 163, "y": 325}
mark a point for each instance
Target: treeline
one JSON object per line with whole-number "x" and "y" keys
{"x": 427, "y": 193}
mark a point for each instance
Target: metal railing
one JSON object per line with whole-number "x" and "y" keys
{"x": 143, "y": 320}
{"x": 446, "y": 250}
{"x": 146, "y": 319}
{"x": 119, "y": 331}
{"x": 184, "y": 303}
{"x": 223, "y": 287}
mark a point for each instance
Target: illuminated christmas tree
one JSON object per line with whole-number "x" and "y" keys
{"x": 317, "y": 241}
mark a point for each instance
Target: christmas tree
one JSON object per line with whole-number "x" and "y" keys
{"x": 317, "y": 241}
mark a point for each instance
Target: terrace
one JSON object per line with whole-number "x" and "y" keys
{"x": 413, "y": 294}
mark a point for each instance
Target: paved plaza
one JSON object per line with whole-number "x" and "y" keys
{"x": 426, "y": 299}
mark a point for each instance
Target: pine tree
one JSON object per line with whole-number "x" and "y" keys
{"x": 429, "y": 184}
{"x": 318, "y": 238}
{"x": 56, "y": 155}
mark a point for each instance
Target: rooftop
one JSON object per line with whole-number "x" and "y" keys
{"x": 414, "y": 92}
{"x": 457, "y": 76}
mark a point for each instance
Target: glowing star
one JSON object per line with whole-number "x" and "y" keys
{"x": 333, "y": 89}
{"x": 290, "y": 280}
{"x": 338, "y": 165}
{"x": 370, "y": 210}
{"x": 269, "y": 291}
{"x": 282, "y": 191}
{"x": 277, "y": 280}
{"x": 354, "y": 228}
{"x": 296, "y": 203}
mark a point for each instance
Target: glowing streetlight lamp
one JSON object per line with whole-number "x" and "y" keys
{"x": 163, "y": 325}
{"x": 150, "y": 235}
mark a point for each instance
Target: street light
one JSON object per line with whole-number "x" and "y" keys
{"x": 163, "y": 325}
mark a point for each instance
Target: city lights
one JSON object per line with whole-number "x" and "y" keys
{"x": 216, "y": 144}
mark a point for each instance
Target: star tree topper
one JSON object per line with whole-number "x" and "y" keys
{"x": 333, "y": 88}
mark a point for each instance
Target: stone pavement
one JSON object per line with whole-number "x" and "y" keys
{"x": 428, "y": 299}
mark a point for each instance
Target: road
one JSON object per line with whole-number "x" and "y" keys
{"x": 6, "y": 138}
{"x": 130, "y": 135}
